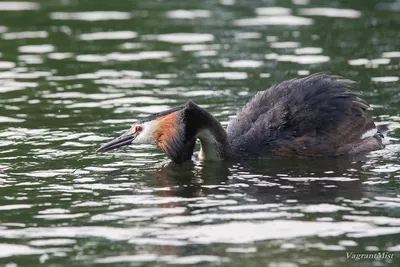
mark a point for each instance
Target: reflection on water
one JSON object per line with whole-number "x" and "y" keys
{"x": 81, "y": 72}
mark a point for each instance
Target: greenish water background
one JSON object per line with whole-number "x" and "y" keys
{"x": 74, "y": 74}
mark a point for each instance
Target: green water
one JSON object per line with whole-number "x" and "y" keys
{"x": 74, "y": 74}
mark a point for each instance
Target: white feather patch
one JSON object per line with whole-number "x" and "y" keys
{"x": 209, "y": 146}
{"x": 385, "y": 141}
{"x": 369, "y": 133}
{"x": 146, "y": 136}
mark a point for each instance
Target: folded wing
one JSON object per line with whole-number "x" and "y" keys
{"x": 318, "y": 115}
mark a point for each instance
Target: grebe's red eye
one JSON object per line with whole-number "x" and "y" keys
{"x": 139, "y": 129}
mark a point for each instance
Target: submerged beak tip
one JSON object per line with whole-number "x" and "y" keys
{"x": 98, "y": 150}
{"x": 101, "y": 148}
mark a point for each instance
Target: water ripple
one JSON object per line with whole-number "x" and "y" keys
{"x": 188, "y": 14}
{"x": 224, "y": 75}
{"x": 91, "y": 15}
{"x": 108, "y": 35}
{"x": 331, "y": 12}
{"x": 18, "y": 6}
{"x": 25, "y": 35}
{"x": 76, "y": 74}
{"x": 274, "y": 20}
{"x": 273, "y": 11}
{"x": 182, "y": 38}
{"x": 39, "y": 49}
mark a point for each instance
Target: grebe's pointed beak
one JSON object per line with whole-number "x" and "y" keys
{"x": 123, "y": 140}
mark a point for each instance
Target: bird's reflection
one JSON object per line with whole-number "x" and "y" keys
{"x": 186, "y": 180}
{"x": 304, "y": 180}
{"x": 269, "y": 180}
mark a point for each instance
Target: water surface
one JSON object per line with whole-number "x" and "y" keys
{"x": 74, "y": 74}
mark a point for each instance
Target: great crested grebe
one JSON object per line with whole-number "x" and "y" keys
{"x": 315, "y": 116}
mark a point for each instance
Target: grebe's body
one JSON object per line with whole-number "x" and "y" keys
{"x": 314, "y": 116}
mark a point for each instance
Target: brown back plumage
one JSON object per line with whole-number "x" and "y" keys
{"x": 314, "y": 116}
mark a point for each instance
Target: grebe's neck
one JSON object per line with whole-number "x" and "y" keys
{"x": 214, "y": 142}
{"x": 199, "y": 124}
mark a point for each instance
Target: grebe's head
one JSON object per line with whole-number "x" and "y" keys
{"x": 165, "y": 129}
